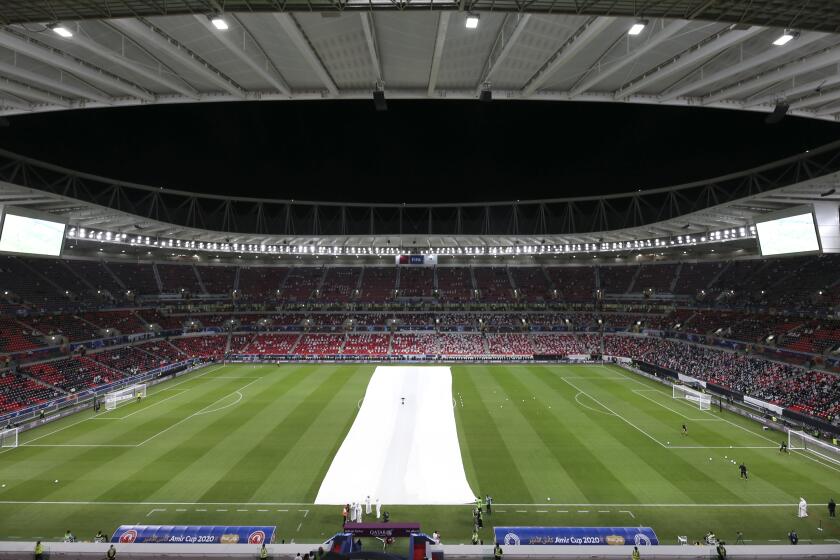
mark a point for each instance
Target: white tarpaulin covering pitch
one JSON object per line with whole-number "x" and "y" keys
{"x": 401, "y": 453}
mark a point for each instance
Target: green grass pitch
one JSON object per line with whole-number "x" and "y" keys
{"x": 250, "y": 444}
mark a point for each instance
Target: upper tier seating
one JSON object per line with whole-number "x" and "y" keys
{"x": 493, "y": 284}
{"x": 301, "y": 284}
{"x": 378, "y": 284}
{"x": 261, "y": 281}
{"x": 416, "y": 282}
{"x": 137, "y": 277}
{"x": 217, "y": 279}
{"x": 176, "y": 278}
{"x": 340, "y": 284}
{"x": 454, "y": 284}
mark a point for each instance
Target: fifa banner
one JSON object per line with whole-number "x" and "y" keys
{"x": 416, "y": 260}
{"x": 638, "y": 536}
{"x": 193, "y": 534}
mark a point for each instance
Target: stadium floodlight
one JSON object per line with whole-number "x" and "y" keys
{"x": 61, "y": 31}
{"x": 637, "y": 28}
{"x": 219, "y": 22}
{"x": 786, "y": 37}
{"x": 471, "y": 21}
{"x": 800, "y": 441}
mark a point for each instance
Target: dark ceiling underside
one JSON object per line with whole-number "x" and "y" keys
{"x": 818, "y": 15}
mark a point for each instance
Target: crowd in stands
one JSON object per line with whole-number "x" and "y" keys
{"x": 779, "y": 305}
{"x": 73, "y": 373}
{"x": 319, "y": 344}
{"x": 207, "y": 346}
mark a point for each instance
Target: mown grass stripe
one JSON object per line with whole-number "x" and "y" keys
{"x": 259, "y": 459}
{"x": 490, "y": 454}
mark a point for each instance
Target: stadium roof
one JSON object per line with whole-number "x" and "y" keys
{"x": 723, "y": 204}
{"x": 713, "y": 53}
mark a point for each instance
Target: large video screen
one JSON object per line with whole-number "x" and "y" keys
{"x": 789, "y": 235}
{"x": 22, "y": 234}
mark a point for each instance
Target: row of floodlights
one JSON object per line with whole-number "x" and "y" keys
{"x": 718, "y": 236}
{"x": 471, "y": 22}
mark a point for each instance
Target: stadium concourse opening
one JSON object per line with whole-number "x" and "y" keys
{"x": 405, "y": 441}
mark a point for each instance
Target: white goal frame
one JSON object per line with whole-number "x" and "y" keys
{"x": 702, "y": 400}
{"x": 9, "y": 437}
{"x": 115, "y": 398}
{"x": 800, "y": 441}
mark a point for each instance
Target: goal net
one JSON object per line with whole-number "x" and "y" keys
{"x": 694, "y": 396}
{"x": 9, "y": 437}
{"x": 804, "y": 442}
{"x": 115, "y": 398}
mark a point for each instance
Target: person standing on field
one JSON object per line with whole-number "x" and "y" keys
{"x": 497, "y": 552}
{"x": 636, "y": 555}
{"x": 832, "y": 508}
{"x": 39, "y": 551}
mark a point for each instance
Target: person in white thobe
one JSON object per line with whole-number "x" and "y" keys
{"x": 803, "y": 508}
{"x": 353, "y": 512}
{"x": 378, "y": 507}
{"x": 359, "y": 511}
{"x": 367, "y": 505}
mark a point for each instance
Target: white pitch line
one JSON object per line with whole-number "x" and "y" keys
{"x": 305, "y": 512}
{"x": 589, "y": 407}
{"x": 522, "y": 511}
{"x": 299, "y": 526}
{"x": 262, "y": 510}
{"x": 77, "y": 445}
{"x": 154, "y": 510}
{"x": 583, "y": 511}
{"x": 92, "y": 417}
{"x": 221, "y": 408}
{"x": 180, "y": 392}
{"x": 542, "y": 511}
{"x": 723, "y": 447}
{"x": 641, "y": 392}
{"x": 762, "y": 436}
{"x": 145, "y": 441}
{"x": 603, "y": 511}
{"x": 630, "y": 513}
{"x": 617, "y": 415}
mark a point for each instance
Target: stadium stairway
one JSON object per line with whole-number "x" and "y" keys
{"x": 199, "y": 280}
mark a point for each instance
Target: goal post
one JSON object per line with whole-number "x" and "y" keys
{"x": 702, "y": 400}
{"x": 115, "y": 398}
{"x": 9, "y": 437}
{"x": 798, "y": 440}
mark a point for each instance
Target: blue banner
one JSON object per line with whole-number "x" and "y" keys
{"x": 193, "y": 534}
{"x": 638, "y": 536}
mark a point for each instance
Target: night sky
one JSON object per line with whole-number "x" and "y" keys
{"x": 417, "y": 151}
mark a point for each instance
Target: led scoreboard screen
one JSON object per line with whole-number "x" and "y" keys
{"x": 32, "y": 233}
{"x": 792, "y": 233}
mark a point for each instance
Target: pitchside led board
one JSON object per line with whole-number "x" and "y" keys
{"x": 789, "y": 232}
{"x": 28, "y": 232}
